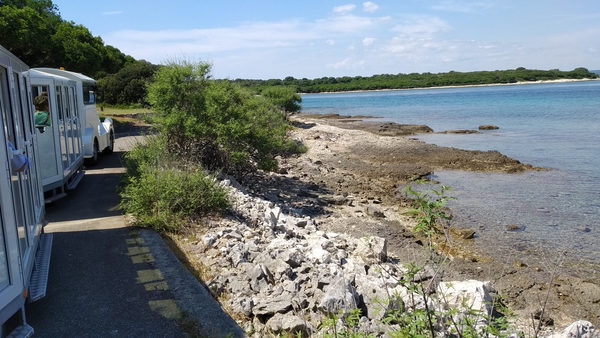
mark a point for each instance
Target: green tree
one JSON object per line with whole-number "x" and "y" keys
{"x": 26, "y": 34}
{"x": 76, "y": 49}
{"x": 285, "y": 98}
{"x": 217, "y": 123}
{"x": 128, "y": 85}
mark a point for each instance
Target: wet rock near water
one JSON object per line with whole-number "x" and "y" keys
{"x": 460, "y": 131}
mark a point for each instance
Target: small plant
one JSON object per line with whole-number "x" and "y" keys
{"x": 428, "y": 208}
{"x": 344, "y": 326}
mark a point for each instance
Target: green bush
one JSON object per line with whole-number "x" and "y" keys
{"x": 285, "y": 98}
{"x": 164, "y": 192}
{"x": 216, "y": 123}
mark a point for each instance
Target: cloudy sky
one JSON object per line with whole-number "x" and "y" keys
{"x": 264, "y": 39}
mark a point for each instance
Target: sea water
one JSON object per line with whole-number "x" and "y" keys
{"x": 553, "y": 125}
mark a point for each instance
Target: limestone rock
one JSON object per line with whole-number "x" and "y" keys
{"x": 340, "y": 297}
{"x": 466, "y": 297}
{"x": 579, "y": 329}
{"x": 289, "y": 324}
{"x": 372, "y": 249}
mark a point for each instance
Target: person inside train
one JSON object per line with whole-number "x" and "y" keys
{"x": 42, "y": 115}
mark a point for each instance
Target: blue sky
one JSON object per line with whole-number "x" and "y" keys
{"x": 266, "y": 39}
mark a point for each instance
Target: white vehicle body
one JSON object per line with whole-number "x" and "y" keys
{"x": 76, "y": 135}
{"x": 24, "y": 249}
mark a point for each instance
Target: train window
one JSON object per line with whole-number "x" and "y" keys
{"x": 59, "y": 103}
{"x": 89, "y": 95}
{"x": 67, "y": 102}
{"x": 5, "y": 103}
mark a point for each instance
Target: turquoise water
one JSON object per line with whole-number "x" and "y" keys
{"x": 556, "y": 126}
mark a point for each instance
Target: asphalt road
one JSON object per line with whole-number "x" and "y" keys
{"x": 110, "y": 280}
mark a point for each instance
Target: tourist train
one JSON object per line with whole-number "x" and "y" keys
{"x": 50, "y": 154}
{"x": 76, "y": 135}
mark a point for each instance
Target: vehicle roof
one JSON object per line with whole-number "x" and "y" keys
{"x": 67, "y": 74}
{"x": 11, "y": 59}
{"x": 37, "y": 72}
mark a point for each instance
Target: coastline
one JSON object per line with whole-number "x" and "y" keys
{"x": 370, "y": 161}
{"x": 519, "y": 83}
{"x": 348, "y": 183}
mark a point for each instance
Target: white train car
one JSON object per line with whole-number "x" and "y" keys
{"x": 24, "y": 249}
{"x": 76, "y": 136}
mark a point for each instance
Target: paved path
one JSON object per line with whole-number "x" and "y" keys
{"x": 108, "y": 280}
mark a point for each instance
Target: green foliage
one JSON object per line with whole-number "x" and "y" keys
{"x": 344, "y": 326}
{"x": 25, "y": 33}
{"x": 75, "y": 48}
{"x": 129, "y": 85}
{"x": 34, "y": 31}
{"x": 415, "y": 80}
{"x": 216, "y": 122}
{"x": 428, "y": 207}
{"x": 285, "y": 98}
{"x": 163, "y": 192}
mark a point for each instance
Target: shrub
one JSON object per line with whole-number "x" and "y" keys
{"x": 285, "y": 98}
{"x": 164, "y": 194}
{"x": 216, "y": 123}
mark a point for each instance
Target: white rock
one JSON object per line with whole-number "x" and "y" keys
{"x": 579, "y": 329}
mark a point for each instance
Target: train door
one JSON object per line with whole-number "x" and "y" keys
{"x": 15, "y": 240}
{"x": 25, "y": 189}
{"x": 51, "y": 170}
{"x": 76, "y": 122}
{"x": 30, "y": 179}
{"x": 62, "y": 135}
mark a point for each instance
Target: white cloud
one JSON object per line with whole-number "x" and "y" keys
{"x": 349, "y": 24}
{"x": 368, "y": 41}
{"x": 421, "y": 25}
{"x": 370, "y": 7}
{"x": 348, "y": 64}
{"x": 112, "y": 13}
{"x": 343, "y": 64}
{"x": 461, "y": 6}
{"x": 330, "y": 45}
{"x": 345, "y": 9}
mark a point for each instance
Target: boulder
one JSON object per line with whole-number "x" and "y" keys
{"x": 378, "y": 300}
{"x": 579, "y": 329}
{"x": 340, "y": 297}
{"x": 466, "y": 297}
{"x": 372, "y": 249}
{"x": 290, "y": 325}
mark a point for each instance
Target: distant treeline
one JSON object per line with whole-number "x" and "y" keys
{"x": 416, "y": 80}
{"x": 36, "y": 33}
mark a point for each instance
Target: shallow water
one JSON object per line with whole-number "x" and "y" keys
{"x": 555, "y": 126}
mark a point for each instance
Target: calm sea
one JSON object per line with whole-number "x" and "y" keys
{"x": 556, "y": 126}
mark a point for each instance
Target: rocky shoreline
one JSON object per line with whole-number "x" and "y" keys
{"x": 343, "y": 192}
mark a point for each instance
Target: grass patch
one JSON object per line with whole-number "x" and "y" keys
{"x": 116, "y": 111}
